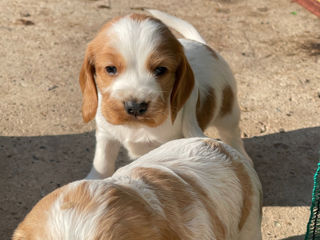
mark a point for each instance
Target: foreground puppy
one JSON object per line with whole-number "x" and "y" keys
{"x": 144, "y": 88}
{"x": 194, "y": 188}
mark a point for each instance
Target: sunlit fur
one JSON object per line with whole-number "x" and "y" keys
{"x": 187, "y": 189}
{"x": 196, "y": 92}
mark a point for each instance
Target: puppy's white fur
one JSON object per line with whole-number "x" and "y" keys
{"x": 194, "y": 188}
{"x": 135, "y": 39}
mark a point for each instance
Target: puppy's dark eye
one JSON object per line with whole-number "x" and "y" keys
{"x": 158, "y": 71}
{"x": 111, "y": 70}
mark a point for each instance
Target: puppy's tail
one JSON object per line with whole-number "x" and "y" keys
{"x": 183, "y": 27}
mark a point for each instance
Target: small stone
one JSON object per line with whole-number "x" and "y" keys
{"x": 52, "y": 88}
{"x": 263, "y": 9}
{"x": 281, "y": 145}
{"x": 25, "y": 14}
{"x": 104, "y": 6}
{"x": 277, "y": 224}
{"x": 24, "y": 22}
{"x": 138, "y": 8}
{"x": 289, "y": 114}
{"x": 281, "y": 130}
{"x": 262, "y": 127}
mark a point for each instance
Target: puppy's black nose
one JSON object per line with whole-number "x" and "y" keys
{"x": 136, "y": 109}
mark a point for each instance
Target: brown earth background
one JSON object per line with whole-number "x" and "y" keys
{"x": 272, "y": 46}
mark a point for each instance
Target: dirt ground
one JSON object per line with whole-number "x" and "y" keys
{"x": 272, "y": 46}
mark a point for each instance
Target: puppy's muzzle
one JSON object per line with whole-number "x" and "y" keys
{"x": 136, "y": 109}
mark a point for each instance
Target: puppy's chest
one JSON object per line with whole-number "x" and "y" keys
{"x": 139, "y": 141}
{"x": 137, "y": 149}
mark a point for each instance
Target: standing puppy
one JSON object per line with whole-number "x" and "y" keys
{"x": 187, "y": 189}
{"x": 144, "y": 87}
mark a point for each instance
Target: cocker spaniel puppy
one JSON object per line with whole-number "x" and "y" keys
{"x": 144, "y": 87}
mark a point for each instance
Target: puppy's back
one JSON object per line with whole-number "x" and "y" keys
{"x": 223, "y": 180}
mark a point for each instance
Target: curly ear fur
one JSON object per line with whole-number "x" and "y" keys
{"x": 88, "y": 87}
{"x": 182, "y": 87}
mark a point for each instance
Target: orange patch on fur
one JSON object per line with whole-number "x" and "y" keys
{"x": 246, "y": 185}
{"x": 206, "y": 109}
{"x": 178, "y": 79}
{"x": 34, "y": 223}
{"x": 88, "y": 88}
{"x": 218, "y": 228}
{"x": 140, "y": 17}
{"x": 88, "y": 72}
{"x": 244, "y": 179}
{"x": 167, "y": 54}
{"x": 227, "y": 101}
{"x": 129, "y": 216}
{"x": 182, "y": 87}
{"x": 78, "y": 199}
{"x": 174, "y": 195}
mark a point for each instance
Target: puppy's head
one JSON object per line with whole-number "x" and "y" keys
{"x": 138, "y": 70}
{"x": 93, "y": 210}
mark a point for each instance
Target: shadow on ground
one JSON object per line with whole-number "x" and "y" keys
{"x": 301, "y": 237}
{"x": 286, "y": 163}
{"x": 31, "y": 167}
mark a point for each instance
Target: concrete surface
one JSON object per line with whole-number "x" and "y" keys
{"x": 273, "y": 48}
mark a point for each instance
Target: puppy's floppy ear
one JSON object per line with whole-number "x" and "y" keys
{"x": 88, "y": 87}
{"x": 182, "y": 87}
